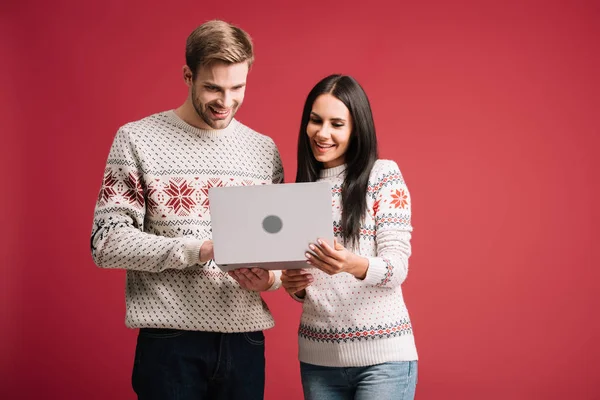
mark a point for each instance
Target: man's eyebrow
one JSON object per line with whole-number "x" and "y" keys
{"x": 212, "y": 84}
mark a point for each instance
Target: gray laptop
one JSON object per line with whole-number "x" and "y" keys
{"x": 269, "y": 226}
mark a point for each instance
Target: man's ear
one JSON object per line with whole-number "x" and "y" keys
{"x": 188, "y": 77}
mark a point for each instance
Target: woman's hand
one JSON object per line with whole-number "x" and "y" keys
{"x": 336, "y": 259}
{"x": 295, "y": 281}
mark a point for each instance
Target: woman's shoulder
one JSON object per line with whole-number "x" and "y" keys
{"x": 383, "y": 168}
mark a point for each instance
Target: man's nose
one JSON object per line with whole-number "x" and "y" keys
{"x": 226, "y": 100}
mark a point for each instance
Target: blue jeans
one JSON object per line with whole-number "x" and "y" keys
{"x": 173, "y": 364}
{"x": 392, "y": 380}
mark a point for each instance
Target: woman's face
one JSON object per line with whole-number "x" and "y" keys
{"x": 329, "y": 128}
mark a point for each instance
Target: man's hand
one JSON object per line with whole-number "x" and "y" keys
{"x": 255, "y": 279}
{"x": 206, "y": 252}
{"x": 295, "y": 281}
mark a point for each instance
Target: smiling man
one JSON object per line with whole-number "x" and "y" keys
{"x": 200, "y": 331}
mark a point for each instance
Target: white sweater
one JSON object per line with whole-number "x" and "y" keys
{"x": 348, "y": 322}
{"x": 152, "y": 216}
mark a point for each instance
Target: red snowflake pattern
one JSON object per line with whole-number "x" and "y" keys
{"x": 107, "y": 191}
{"x": 151, "y": 204}
{"x": 135, "y": 191}
{"x": 400, "y": 199}
{"x": 211, "y": 183}
{"x": 180, "y": 196}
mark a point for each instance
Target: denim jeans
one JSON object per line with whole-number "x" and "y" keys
{"x": 392, "y": 380}
{"x": 184, "y": 365}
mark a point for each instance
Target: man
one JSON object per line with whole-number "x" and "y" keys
{"x": 200, "y": 329}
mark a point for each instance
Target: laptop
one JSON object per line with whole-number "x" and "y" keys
{"x": 269, "y": 226}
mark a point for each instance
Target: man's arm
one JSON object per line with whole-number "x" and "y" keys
{"x": 277, "y": 166}
{"x": 118, "y": 239}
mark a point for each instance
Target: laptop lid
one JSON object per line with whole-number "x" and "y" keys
{"x": 269, "y": 226}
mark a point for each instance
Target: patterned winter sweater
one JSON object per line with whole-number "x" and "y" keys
{"x": 152, "y": 216}
{"x": 348, "y": 322}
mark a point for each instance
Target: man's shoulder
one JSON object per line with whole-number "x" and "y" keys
{"x": 261, "y": 138}
{"x": 145, "y": 123}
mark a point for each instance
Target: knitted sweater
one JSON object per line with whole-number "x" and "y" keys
{"x": 152, "y": 216}
{"x": 348, "y": 322}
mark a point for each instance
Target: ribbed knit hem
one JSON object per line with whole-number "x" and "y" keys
{"x": 299, "y": 299}
{"x": 376, "y": 272}
{"x": 266, "y": 322}
{"x": 192, "y": 250}
{"x": 332, "y": 172}
{"x": 277, "y": 282}
{"x": 358, "y": 353}
{"x": 212, "y": 133}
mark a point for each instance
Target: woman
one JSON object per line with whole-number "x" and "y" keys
{"x": 355, "y": 336}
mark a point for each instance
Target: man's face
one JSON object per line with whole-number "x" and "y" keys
{"x": 218, "y": 92}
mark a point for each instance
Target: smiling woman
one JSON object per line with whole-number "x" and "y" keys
{"x": 329, "y": 129}
{"x": 355, "y": 338}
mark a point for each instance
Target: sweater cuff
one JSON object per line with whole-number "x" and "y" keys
{"x": 376, "y": 271}
{"x": 276, "y": 283}
{"x": 298, "y": 299}
{"x": 191, "y": 249}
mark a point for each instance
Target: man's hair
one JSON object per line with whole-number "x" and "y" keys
{"x": 217, "y": 41}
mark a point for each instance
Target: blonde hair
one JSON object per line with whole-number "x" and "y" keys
{"x": 217, "y": 41}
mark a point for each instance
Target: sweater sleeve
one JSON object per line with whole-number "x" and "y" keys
{"x": 391, "y": 209}
{"x": 277, "y": 166}
{"x": 118, "y": 239}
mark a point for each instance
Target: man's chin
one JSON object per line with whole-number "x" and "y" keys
{"x": 221, "y": 123}
{"x": 218, "y": 123}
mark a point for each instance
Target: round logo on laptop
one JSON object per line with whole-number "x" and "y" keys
{"x": 272, "y": 224}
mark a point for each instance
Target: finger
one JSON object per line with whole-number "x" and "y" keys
{"x": 296, "y": 288}
{"x": 301, "y": 278}
{"x": 252, "y": 277}
{"x": 328, "y": 250}
{"x": 239, "y": 278}
{"x": 298, "y": 280}
{"x": 260, "y": 273}
{"x": 318, "y": 252}
{"x": 323, "y": 266}
{"x": 337, "y": 245}
{"x": 242, "y": 277}
{"x": 297, "y": 284}
{"x": 232, "y": 274}
{"x": 294, "y": 272}
{"x": 248, "y": 273}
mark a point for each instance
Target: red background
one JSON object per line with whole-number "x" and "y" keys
{"x": 491, "y": 112}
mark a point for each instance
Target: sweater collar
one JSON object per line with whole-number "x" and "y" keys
{"x": 173, "y": 118}
{"x": 333, "y": 172}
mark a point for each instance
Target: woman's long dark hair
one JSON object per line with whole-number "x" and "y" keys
{"x": 359, "y": 157}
